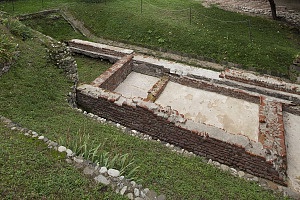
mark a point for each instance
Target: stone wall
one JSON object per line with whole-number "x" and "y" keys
{"x": 262, "y": 81}
{"x": 149, "y": 69}
{"x": 42, "y": 13}
{"x": 60, "y": 55}
{"x": 99, "y": 48}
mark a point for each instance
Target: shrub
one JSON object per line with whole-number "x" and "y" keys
{"x": 7, "y": 50}
{"x": 17, "y": 28}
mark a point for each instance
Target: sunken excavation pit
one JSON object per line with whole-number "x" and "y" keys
{"x": 237, "y": 118}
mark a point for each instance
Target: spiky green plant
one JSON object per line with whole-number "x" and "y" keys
{"x": 7, "y": 50}
{"x": 83, "y": 145}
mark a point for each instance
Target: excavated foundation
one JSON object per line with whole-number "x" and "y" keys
{"x": 237, "y": 118}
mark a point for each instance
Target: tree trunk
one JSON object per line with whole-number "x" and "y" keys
{"x": 273, "y": 9}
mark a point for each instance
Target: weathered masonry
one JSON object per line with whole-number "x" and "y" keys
{"x": 234, "y": 117}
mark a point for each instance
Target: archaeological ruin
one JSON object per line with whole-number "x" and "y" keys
{"x": 244, "y": 120}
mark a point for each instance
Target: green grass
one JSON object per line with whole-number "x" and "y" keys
{"x": 55, "y": 26}
{"x": 29, "y": 170}
{"x": 33, "y": 94}
{"x": 212, "y": 33}
{"x": 31, "y": 6}
{"x": 90, "y": 68}
{"x": 270, "y": 51}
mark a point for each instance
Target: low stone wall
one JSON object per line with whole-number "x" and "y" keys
{"x": 264, "y": 91}
{"x": 149, "y": 69}
{"x": 116, "y": 74}
{"x": 157, "y": 89}
{"x": 266, "y": 158}
{"x": 38, "y": 14}
{"x": 266, "y": 81}
{"x": 60, "y": 55}
{"x": 99, "y": 48}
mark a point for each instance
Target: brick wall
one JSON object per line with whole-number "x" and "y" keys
{"x": 265, "y": 158}
{"x": 149, "y": 69}
{"x": 116, "y": 74}
{"x": 145, "y": 120}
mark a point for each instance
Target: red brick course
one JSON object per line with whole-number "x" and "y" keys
{"x": 116, "y": 74}
{"x": 143, "y": 119}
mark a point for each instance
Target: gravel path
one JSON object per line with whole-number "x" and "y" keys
{"x": 256, "y": 7}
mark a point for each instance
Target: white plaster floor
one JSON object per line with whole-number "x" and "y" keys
{"x": 233, "y": 115}
{"x": 136, "y": 85}
{"x": 292, "y": 138}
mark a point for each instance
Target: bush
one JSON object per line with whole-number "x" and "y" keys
{"x": 17, "y": 28}
{"x": 7, "y": 50}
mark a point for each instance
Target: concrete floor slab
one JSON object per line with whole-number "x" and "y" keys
{"x": 292, "y": 137}
{"x": 233, "y": 115}
{"x": 136, "y": 85}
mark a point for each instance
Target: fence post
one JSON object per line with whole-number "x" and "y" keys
{"x": 250, "y": 34}
{"x": 190, "y": 15}
{"x": 13, "y": 4}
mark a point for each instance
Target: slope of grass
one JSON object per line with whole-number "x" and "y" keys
{"x": 186, "y": 27}
{"x": 215, "y": 36}
{"x": 29, "y": 170}
{"x": 33, "y": 94}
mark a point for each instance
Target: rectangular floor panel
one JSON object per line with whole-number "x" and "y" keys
{"x": 236, "y": 116}
{"x": 136, "y": 85}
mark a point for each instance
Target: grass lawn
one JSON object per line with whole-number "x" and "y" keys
{"x": 33, "y": 94}
{"x": 90, "y": 68}
{"x": 29, "y": 170}
{"x": 208, "y": 32}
